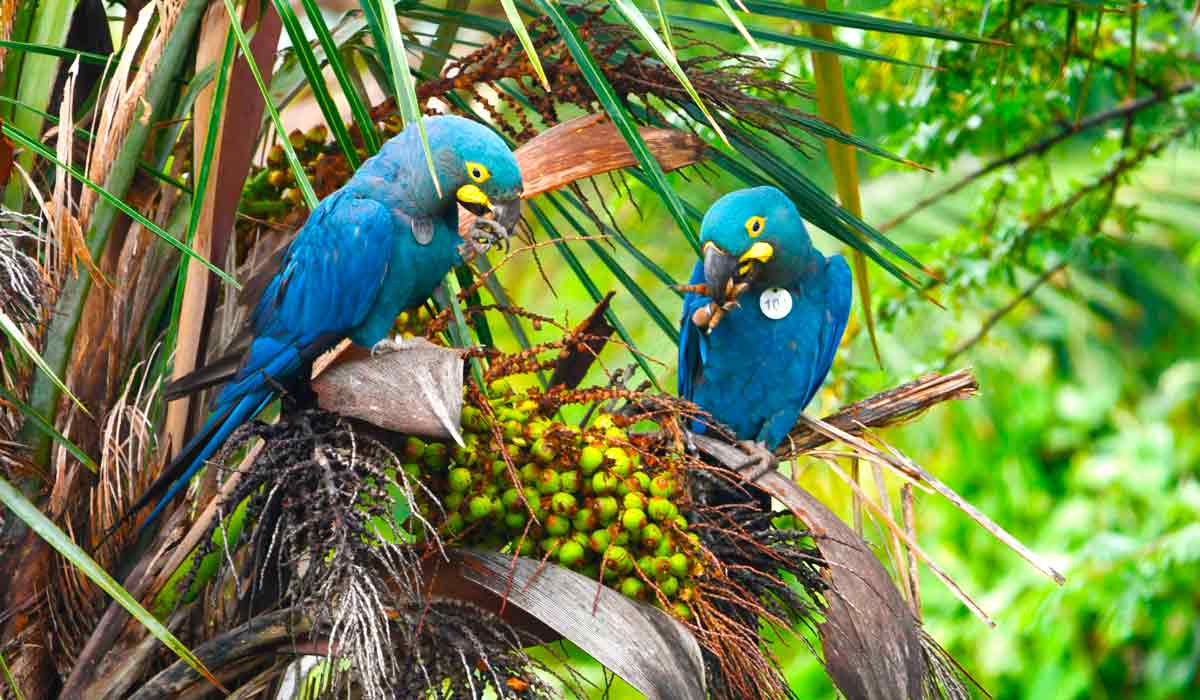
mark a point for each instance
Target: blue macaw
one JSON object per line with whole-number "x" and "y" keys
{"x": 762, "y": 318}
{"x": 379, "y": 245}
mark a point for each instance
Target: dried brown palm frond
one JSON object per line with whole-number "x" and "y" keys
{"x": 24, "y": 290}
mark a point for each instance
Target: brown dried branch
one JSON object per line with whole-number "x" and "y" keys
{"x": 887, "y": 408}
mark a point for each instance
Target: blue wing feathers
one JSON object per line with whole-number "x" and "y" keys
{"x": 836, "y": 311}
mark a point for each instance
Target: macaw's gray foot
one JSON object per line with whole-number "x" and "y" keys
{"x": 760, "y": 461}
{"x": 485, "y": 234}
{"x": 388, "y": 345}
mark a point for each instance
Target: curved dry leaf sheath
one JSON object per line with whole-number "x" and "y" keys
{"x": 650, "y": 650}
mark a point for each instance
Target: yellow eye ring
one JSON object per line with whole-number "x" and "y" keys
{"x": 477, "y": 172}
{"x": 755, "y": 226}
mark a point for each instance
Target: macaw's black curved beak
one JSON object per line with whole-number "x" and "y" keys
{"x": 507, "y": 214}
{"x": 719, "y": 269}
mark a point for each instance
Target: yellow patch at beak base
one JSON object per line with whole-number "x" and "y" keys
{"x": 471, "y": 194}
{"x": 760, "y": 251}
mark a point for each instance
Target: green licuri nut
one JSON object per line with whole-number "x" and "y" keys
{"x": 599, "y": 541}
{"x": 634, "y": 519}
{"x": 528, "y": 406}
{"x": 621, "y": 538}
{"x": 570, "y": 554}
{"x": 645, "y": 564}
{"x": 480, "y": 507}
{"x": 473, "y": 419}
{"x": 557, "y": 525}
{"x": 615, "y": 433}
{"x": 511, "y": 500}
{"x": 563, "y": 504}
{"x": 680, "y": 564}
{"x": 463, "y": 456}
{"x": 459, "y": 480}
{"x": 680, "y": 522}
{"x": 435, "y": 455}
{"x": 530, "y": 473}
{"x": 414, "y": 448}
{"x": 606, "y": 509}
{"x": 515, "y": 520}
{"x": 455, "y": 523}
{"x": 682, "y": 611}
{"x": 643, "y": 480}
{"x": 500, "y": 387}
{"x": 666, "y": 546}
{"x": 542, "y": 451}
{"x": 536, "y": 429}
{"x": 512, "y": 432}
{"x": 619, "y": 559}
{"x": 547, "y": 482}
{"x": 297, "y": 139}
{"x": 662, "y": 486}
{"x": 602, "y": 421}
{"x": 669, "y": 586}
{"x": 585, "y": 519}
{"x": 550, "y": 545}
{"x": 651, "y": 536}
{"x": 621, "y": 466}
{"x": 533, "y": 500}
{"x": 526, "y": 546}
{"x": 661, "y": 509}
{"x": 661, "y": 567}
{"x": 634, "y": 500}
{"x": 581, "y": 538}
{"x": 412, "y": 470}
{"x": 499, "y": 467}
{"x": 632, "y": 587}
{"x": 603, "y": 482}
{"x": 590, "y": 459}
{"x": 569, "y": 481}
{"x": 453, "y": 500}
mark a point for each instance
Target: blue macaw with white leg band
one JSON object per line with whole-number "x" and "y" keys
{"x": 762, "y": 319}
{"x": 380, "y": 244}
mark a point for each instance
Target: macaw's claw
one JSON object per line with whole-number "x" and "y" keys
{"x": 701, "y": 289}
{"x": 486, "y": 233}
{"x": 388, "y": 345}
{"x": 760, "y": 461}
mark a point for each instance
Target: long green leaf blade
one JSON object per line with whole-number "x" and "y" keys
{"x": 518, "y": 26}
{"x": 38, "y": 421}
{"x": 22, "y": 138}
{"x": 9, "y": 680}
{"x": 737, "y": 24}
{"x": 634, "y": 16}
{"x": 621, "y": 119}
{"x": 59, "y": 540}
{"x": 403, "y": 86}
{"x": 18, "y": 338}
{"x": 362, "y": 115}
{"x": 316, "y": 80}
{"x": 235, "y": 23}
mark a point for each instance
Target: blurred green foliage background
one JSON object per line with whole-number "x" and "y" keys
{"x": 1083, "y": 262}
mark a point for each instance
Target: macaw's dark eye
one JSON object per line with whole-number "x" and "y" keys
{"x": 478, "y": 172}
{"x": 755, "y": 226}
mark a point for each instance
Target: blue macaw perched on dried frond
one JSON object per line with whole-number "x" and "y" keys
{"x": 379, "y": 245}
{"x": 762, "y": 319}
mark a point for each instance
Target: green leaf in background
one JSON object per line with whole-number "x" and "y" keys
{"x": 634, "y": 16}
{"x": 9, "y": 680}
{"x": 518, "y": 26}
{"x": 23, "y": 139}
{"x": 18, "y": 338}
{"x": 358, "y": 109}
{"x": 403, "y": 86}
{"x": 737, "y": 23}
{"x": 38, "y": 421}
{"x": 316, "y": 79}
{"x": 56, "y": 538}
{"x": 621, "y": 119}
{"x": 235, "y": 23}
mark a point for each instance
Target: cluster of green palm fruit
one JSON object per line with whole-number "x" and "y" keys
{"x": 589, "y": 499}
